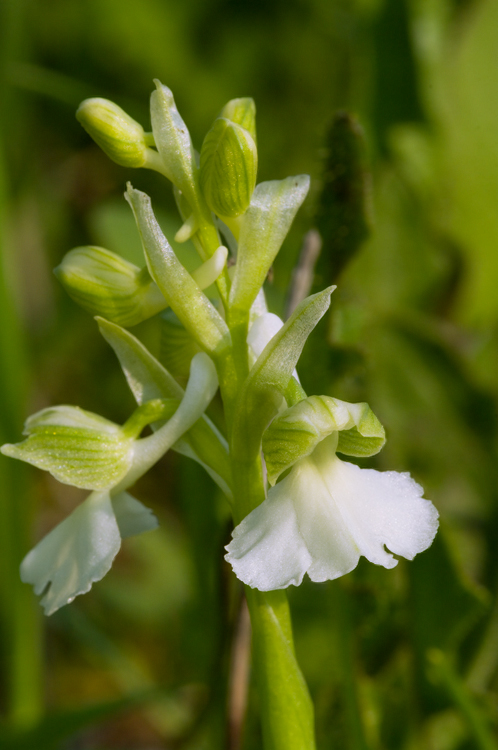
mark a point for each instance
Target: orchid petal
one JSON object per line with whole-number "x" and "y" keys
{"x": 75, "y": 554}
{"x": 132, "y": 516}
{"x": 267, "y": 551}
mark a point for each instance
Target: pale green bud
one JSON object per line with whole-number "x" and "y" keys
{"x": 242, "y": 112}
{"x": 229, "y": 163}
{"x": 118, "y": 135}
{"x": 296, "y": 432}
{"x": 105, "y": 284}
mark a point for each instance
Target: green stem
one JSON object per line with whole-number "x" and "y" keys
{"x": 286, "y": 708}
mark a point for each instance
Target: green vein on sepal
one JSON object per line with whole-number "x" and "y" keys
{"x": 296, "y": 432}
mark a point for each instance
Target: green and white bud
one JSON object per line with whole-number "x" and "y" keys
{"x": 105, "y": 284}
{"x": 229, "y": 163}
{"x": 120, "y": 136}
{"x": 295, "y": 433}
{"x": 242, "y": 112}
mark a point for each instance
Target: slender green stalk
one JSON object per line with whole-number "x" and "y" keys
{"x": 286, "y": 708}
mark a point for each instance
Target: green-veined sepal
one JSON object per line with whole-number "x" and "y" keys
{"x": 105, "y": 284}
{"x": 296, "y": 432}
{"x": 241, "y": 111}
{"x": 229, "y": 163}
{"x": 75, "y": 446}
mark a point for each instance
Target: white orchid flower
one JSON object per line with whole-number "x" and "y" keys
{"x": 326, "y": 513}
{"x": 85, "y": 450}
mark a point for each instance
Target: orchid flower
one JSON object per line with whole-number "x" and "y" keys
{"x": 326, "y": 513}
{"x": 85, "y": 450}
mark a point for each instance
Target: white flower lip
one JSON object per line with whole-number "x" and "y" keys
{"x": 81, "y": 549}
{"x": 323, "y": 516}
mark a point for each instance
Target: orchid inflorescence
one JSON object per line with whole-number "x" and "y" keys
{"x": 297, "y": 507}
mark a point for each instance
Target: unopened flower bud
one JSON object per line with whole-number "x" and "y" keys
{"x": 242, "y": 112}
{"x": 229, "y": 162}
{"x": 117, "y": 134}
{"x": 105, "y": 284}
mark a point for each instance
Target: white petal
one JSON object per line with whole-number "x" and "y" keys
{"x": 332, "y": 548}
{"x": 382, "y": 508}
{"x": 77, "y": 552}
{"x": 132, "y": 517}
{"x": 267, "y": 551}
{"x": 262, "y": 331}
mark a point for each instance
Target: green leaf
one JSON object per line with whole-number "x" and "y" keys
{"x": 266, "y": 383}
{"x": 75, "y": 446}
{"x": 179, "y": 288}
{"x": 148, "y": 380}
{"x": 105, "y": 284}
{"x": 296, "y": 432}
{"x": 264, "y": 227}
{"x": 228, "y": 167}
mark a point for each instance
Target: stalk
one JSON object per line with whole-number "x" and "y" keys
{"x": 286, "y": 709}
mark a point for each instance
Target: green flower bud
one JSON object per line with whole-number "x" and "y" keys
{"x": 229, "y": 162}
{"x": 117, "y": 134}
{"x": 105, "y": 284}
{"x": 242, "y": 112}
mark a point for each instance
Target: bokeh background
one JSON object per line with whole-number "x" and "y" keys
{"x": 405, "y": 659}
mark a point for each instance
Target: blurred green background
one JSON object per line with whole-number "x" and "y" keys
{"x": 405, "y": 659}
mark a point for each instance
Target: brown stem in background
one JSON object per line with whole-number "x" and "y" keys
{"x": 239, "y": 677}
{"x": 302, "y": 276}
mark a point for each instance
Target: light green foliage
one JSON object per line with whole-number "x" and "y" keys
{"x": 229, "y": 162}
{"x": 296, "y": 432}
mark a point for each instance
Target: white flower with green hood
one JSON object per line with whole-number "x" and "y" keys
{"x": 325, "y": 513}
{"x": 87, "y": 451}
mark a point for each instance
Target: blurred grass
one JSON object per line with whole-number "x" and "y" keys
{"x": 403, "y": 659}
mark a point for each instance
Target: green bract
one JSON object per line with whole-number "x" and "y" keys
{"x": 264, "y": 227}
{"x": 148, "y": 379}
{"x": 173, "y": 141}
{"x": 105, "y": 284}
{"x": 296, "y": 432}
{"x": 242, "y": 112}
{"x": 269, "y": 378}
{"x": 229, "y": 163}
{"x": 181, "y": 291}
